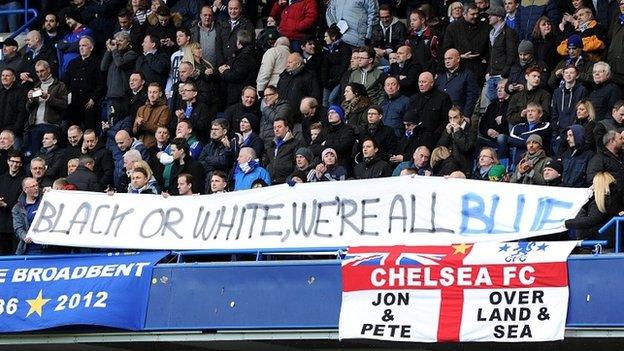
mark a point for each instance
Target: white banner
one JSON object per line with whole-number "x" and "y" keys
{"x": 513, "y": 292}
{"x": 385, "y": 211}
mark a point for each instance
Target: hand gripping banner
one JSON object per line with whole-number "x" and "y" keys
{"x": 501, "y": 292}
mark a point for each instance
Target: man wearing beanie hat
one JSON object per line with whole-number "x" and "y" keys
{"x": 553, "y": 172}
{"x": 503, "y": 43}
{"x": 337, "y": 135}
{"x": 573, "y": 57}
{"x": 526, "y": 58}
{"x": 68, "y": 46}
{"x": 531, "y": 167}
{"x": 303, "y": 158}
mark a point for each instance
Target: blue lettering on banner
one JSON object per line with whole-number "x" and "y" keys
{"x": 473, "y": 210}
{"x": 102, "y": 290}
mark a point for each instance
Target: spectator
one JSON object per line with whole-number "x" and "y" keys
{"x": 458, "y": 83}
{"x": 68, "y": 47}
{"x": 83, "y": 177}
{"x": 517, "y": 112}
{"x": 10, "y": 189}
{"x": 183, "y": 38}
{"x": 140, "y": 182}
{"x": 423, "y": 41}
{"x": 150, "y": 116}
{"x": 280, "y": 155}
{"x": 137, "y": 94}
{"x": 572, "y": 58}
{"x": 328, "y": 169}
{"x": 184, "y": 129}
{"x": 46, "y": 104}
{"x": 545, "y": 39}
{"x": 131, "y": 159}
{"x": 87, "y": 85}
{"x": 616, "y": 122}
{"x": 311, "y": 59}
{"x": 217, "y": 154}
{"x": 72, "y": 165}
{"x": 162, "y": 26}
{"x": 604, "y": 204}
{"x": 303, "y": 164}
{"x": 493, "y": 126}
{"x": 273, "y": 107}
{"x": 526, "y": 59}
{"x": 247, "y": 170}
{"x": 51, "y": 32}
{"x": 194, "y": 110}
{"x": 406, "y": 70}
{"x": 248, "y": 104}
{"x": 336, "y": 59}
{"x": 227, "y": 43}
{"x": 552, "y": 173}
{"x": 615, "y": 51}
{"x": 395, "y": 105}
{"x": 339, "y": 136}
{"x": 241, "y": 68}
{"x": 607, "y": 158}
{"x": 388, "y": 34}
{"x": 431, "y": 106}
{"x": 218, "y": 182}
{"x": 296, "y": 18}
{"x": 564, "y": 100}
{"x": 11, "y": 58}
{"x": 132, "y": 27}
{"x": 182, "y": 163}
{"x": 372, "y": 165}
{"x": 503, "y": 45}
{"x": 384, "y": 136}
{"x": 312, "y": 114}
{"x": 104, "y": 166}
{"x": 37, "y": 50}
{"x": 118, "y": 63}
{"x": 153, "y": 64}
{"x": 530, "y": 169}
{"x": 53, "y": 156}
{"x": 7, "y": 145}
{"x": 188, "y": 9}
{"x": 125, "y": 142}
{"x": 605, "y": 93}
{"x": 358, "y": 18}
{"x": 419, "y": 162}
{"x": 185, "y": 183}
{"x": 206, "y": 32}
{"x": 12, "y": 105}
{"x": 456, "y": 137}
{"x": 576, "y": 158}
{"x": 295, "y": 83}
{"x": 591, "y": 33}
{"x": 74, "y": 142}
{"x": 273, "y": 64}
{"x": 246, "y": 137}
{"x": 442, "y": 162}
{"x": 511, "y": 11}
{"x": 368, "y": 74}
{"x": 470, "y": 37}
{"x": 23, "y": 215}
{"x": 485, "y": 161}
{"x": 529, "y": 12}
{"x": 534, "y": 125}
{"x": 355, "y": 105}
{"x": 586, "y": 117}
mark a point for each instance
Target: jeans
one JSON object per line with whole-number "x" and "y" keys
{"x": 501, "y": 146}
{"x": 11, "y": 20}
{"x": 490, "y": 87}
{"x": 331, "y": 97}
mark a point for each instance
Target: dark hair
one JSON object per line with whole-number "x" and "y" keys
{"x": 188, "y": 123}
{"x": 372, "y": 140}
{"x": 54, "y": 134}
{"x": 181, "y": 144}
{"x": 307, "y": 39}
{"x": 385, "y": 7}
{"x": 420, "y": 14}
{"x": 140, "y": 74}
{"x": 376, "y": 108}
{"x": 222, "y": 122}
{"x": 283, "y": 119}
{"x": 334, "y": 32}
{"x": 184, "y": 30}
{"x": 220, "y": 174}
{"x": 10, "y": 70}
{"x": 14, "y": 153}
{"x": 244, "y": 37}
{"x": 187, "y": 177}
{"x": 125, "y": 13}
{"x": 368, "y": 50}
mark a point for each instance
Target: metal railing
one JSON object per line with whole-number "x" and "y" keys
{"x": 613, "y": 221}
{"x": 26, "y": 11}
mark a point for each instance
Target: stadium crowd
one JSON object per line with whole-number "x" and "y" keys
{"x": 189, "y": 97}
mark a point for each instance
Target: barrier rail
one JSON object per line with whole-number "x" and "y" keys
{"x": 27, "y": 22}
{"x": 613, "y": 221}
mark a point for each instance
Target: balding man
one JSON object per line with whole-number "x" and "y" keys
{"x": 406, "y": 71}
{"x": 124, "y": 143}
{"x": 248, "y": 170}
{"x": 459, "y": 83}
{"x": 311, "y": 113}
{"x": 296, "y": 82}
{"x": 432, "y": 107}
{"x": 87, "y": 84}
{"x": 37, "y": 51}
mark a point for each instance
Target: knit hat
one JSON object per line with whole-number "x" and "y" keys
{"x": 74, "y": 14}
{"x": 411, "y": 117}
{"x": 497, "y": 173}
{"x": 252, "y": 119}
{"x": 326, "y": 151}
{"x": 556, "y": 165}
{"x": 575, "y": 41}
{"x": 305, "y": 152}
{"x": 338, "y": 110}
{"x": 536, "y": 138}
{"x": 496, "y": 11}
{"x": 525, "y": 47}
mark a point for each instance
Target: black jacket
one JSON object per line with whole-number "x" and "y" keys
{"x": 191, "y": 167}
{"x": 336, "y": 61}
{"x": 384, "y": 137}
{"x": 411, "y": 70}
{"x": 103, "y": 164}
{"x": 280, "y": 162}
{"x": 341, "y": 138}
{"x": 374, "y": 167}
{"x": 234, "y": 113}
{"x": 432, "y": 108}
{"x": 55, "y": 162}
{"x": 603, "y": 97}
{"x": 226, "y": 37}
{"x": 589, "y": 219}
{"x": 605, "y": 161}
{"x": 10, "y": 190}
{"x": 155, "y": 67}
{"x": 13, "y": 113}
{"x": 294, "y": 86}
{"x": 466, "y": 37}
{"x": 85, "y": 80}
{"x": 243, "y": 71}
{"x": 85, "y": 180}
{"x": 504, "y": 52}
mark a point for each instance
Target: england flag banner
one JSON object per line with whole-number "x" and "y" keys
{"x": 491, "y": 292}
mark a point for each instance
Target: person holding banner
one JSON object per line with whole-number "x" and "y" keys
{"x": 23, "y": 214}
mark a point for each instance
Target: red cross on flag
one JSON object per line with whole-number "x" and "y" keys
{"x": 502, "y": 292}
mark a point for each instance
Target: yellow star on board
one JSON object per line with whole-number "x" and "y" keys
{"x": 36, "y": 305}
{"x": 461, "y": 248}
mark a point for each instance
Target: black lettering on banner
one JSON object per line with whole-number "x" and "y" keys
{"x": 303, "y": 225}
{"x": 391, "y": 299}
{"x": 511, "y": 331}
{"x": 432, "y": 228}
{"x": 240, "y": 222}
{"x": 228, "y": 225}
{"x": 85, "y": 210}
{"x": 382, "y": 329}
{"x": 119, "y": 217}
{"x": 169, "y": 222}
{"x": 398, "y": 199}
{"x": 201, "y": 229}
{"x": 365, "y": 216}
{"x": 344, "y": 215}
{"x": 320, "y": 220}
{"x": 254, "y": 207}
{"x": 48, "y": 212}
{"x": 160, "y": 212}
{"x": 95, "y": 215}
{"x": 268, "y": 217}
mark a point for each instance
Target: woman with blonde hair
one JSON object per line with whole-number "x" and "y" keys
{"x": 144, "y": 182}
{"x": 605, "y": 203}
{"x": 442, "y": 162}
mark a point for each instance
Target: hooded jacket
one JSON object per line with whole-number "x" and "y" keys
{"x": 390, "y": 37}
{"x": 575, "y": 160}
{"x": 563, "y": 107}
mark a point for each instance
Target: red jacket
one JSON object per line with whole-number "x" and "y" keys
{"x": 297, "y": 19}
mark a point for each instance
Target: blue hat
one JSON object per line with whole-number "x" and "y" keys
{"x": 338, "y": 110}
{"x": 575, "y": 41}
